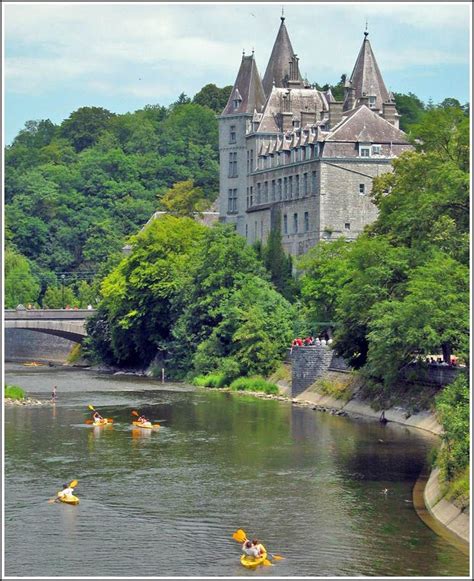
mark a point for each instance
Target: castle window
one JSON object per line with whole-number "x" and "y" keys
{"x": 306, "y": 221}
{"x": 285, "y": 224}
{"x": 265, "y": 191}
{"x": 251, "y": 195}
{"x": 314, "y": 182}
{"x": 259, "y": 193}
{"x": 233, "y": 164}
{"x": 248, "y": 198}
{"x": 364, "y": 150}
{"x": 316, "y": 150}
{"x": 246, "y": 230}
{"x": 273, "y": 190}
{"x": 305, "y": 184}
{"x": 237, "y": 103}
{"x": 347, "y": 226}
{"x": 285, "y": 188}
{"x": 279, "y": 189}
{"x": 362, "y": 189}
{"x": 376, "y": 149}
{"x": 295, "y": 223}
{"x": 372, "y": 100}
{"x": 248, "y": 162}
{"x": 290, "y": 187}
{"x": 297, "y": 186}
{"x": 232, "y": 202}
{"x": 232, "y": 134}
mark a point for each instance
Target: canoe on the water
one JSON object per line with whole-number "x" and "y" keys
{"x": 69, "y": 499}
{"x": 104, "y": 422}
{"x": 252, "y": 562}
{"x": 147, "y": 425}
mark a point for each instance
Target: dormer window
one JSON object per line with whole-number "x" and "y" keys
{"x": 232, "y": 134}
{"x": 364, "y": 150}
{"x": 372, "y": 101}
{"x": 237, "y": 104}
{"x": 376, "y": 150}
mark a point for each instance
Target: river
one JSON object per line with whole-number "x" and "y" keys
{"x": 165, "y": 503}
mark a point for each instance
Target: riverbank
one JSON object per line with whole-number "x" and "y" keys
{"x": 445, "y": 512}
{"x": 27, "y": 401}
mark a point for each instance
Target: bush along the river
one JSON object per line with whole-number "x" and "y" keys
{"x": 452, "y": 409}
{"x": 14, "y": 392}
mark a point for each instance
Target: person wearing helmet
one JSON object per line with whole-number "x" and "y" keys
{"x": 97, "y": 418}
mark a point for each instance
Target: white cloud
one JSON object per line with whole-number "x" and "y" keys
{"x": 92, "y": 43}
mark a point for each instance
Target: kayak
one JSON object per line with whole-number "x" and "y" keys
{"x": 104, "y": 422}
{"x": 252, "y": 562}
{"x": 69, "y": 499}
{"x": 147, "y": 425}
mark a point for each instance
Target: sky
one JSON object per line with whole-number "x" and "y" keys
{"x": 58, "y": 57}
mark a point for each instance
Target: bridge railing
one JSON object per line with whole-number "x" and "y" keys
{"x": 47, "y": 314}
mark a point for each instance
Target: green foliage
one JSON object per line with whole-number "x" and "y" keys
{"x": 253, "y": 384}
{"x": 210, "y": 380}
{"x": 75, "y": 192}
{"x": 452, "y": 408}
{"x": 184, "y": 200}
{"x": 14, "y": 392}
{"x": 213, "y": 97}
{"x": 410, "y": 108}
{"x": 401, "y": 289}
{"x": 21, "y": 286}
{"x": 278, "y": 264}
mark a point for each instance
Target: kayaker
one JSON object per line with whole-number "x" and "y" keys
{"x": 66, "y": 491}
{"x": 97, "y": 417}
{"x": 143, "y": 420}
{"x": 54, "y": 394}
{"x": 250, "y": 550}
{"x": 257, "y": 545}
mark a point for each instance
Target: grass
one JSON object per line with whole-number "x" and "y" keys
{"x": 14, "y": 392}
{"x": 254, "y": 384}
{"x": 210, "y": 380}
{"x": 457, "y": 490}
{"x": 283, "y": 373}
{"x": 75, "y": 354}
{"x": 338, "y": 389}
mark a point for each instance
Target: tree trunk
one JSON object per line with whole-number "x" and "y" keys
{"x": 446, "y": 347}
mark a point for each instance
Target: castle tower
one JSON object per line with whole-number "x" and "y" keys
{"x": 366, "y": 85}
{"x": 282, "y": 69}
{"x": 246, "y": 99}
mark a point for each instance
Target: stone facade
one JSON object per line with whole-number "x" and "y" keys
{"x": 290, "y": 150}
{"x": 309, "y": 364}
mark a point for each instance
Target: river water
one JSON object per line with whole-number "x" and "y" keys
{"x": 309, "y": 485}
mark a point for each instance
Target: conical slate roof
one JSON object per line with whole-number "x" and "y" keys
{"x": 366, "y": 78}
{"x": 247, "y": 96}
{"x": 278, "y": 68}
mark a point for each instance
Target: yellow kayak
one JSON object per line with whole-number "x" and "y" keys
{"x": 104, "y": 422}
{"x": 147, "y": 425}
{"x": 69, "y": 499}
{"x": 252, "y": 562}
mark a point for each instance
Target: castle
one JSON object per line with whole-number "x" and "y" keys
{"x": 293, "y": 157}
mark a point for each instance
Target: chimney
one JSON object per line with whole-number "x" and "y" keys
{"x": 364, "y": 100}
{"x": 335, "y": 113}
{"x": 349, "y": 96}
{"x": 390, "y": 113}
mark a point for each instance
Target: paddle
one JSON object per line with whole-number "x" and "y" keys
{"x": 91, "y": 407}
{"x": 241, "y": 536}
{"x": 72, "y": 484}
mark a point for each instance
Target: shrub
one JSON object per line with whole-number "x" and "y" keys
{"x": 14, "y": 392}
{"x": 210, "y": 380}
{"x": 452, "y": 408}
{"x": 253, "y": 384}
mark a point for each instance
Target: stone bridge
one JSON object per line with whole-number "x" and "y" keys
{"x": 65, "y": 323}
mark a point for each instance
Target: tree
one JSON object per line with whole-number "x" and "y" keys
{"x": 278, "y": 264}
{"x": 410, "y": 108}
{"x": 21, "y": 287}
{"x": 84, "y": 126}
{"x": 213, "y": 97}
{"x": 184, "y": 200}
